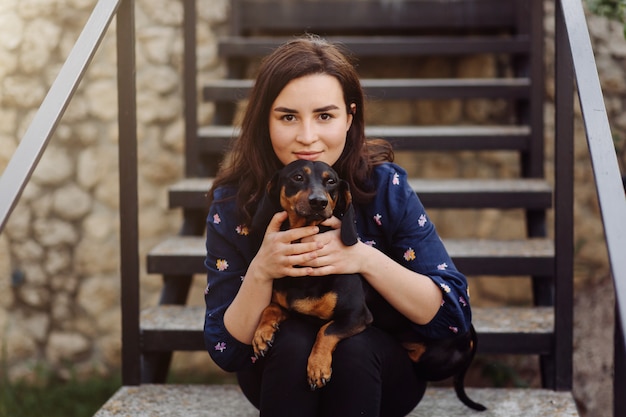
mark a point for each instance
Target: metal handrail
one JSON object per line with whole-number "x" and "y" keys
{"x": 35, "y": 140}
{"x": 608, "y": 181}
{"x": 570, "y": 19}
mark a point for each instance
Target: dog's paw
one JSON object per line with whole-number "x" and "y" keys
{"x": 263, "y": 339}
{"x": 319, "y": 371}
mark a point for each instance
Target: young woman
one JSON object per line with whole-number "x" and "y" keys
{"x": 307, "y": 103}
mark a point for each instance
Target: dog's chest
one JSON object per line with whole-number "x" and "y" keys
{"x": 313, "y": 296}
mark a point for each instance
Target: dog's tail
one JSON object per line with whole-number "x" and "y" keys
{"x": 459, "y": 379}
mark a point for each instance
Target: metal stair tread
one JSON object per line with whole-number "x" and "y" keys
{"x": 462, "y": 137}
{"x": 180, "y": 400}
{"x": 525, "y": 320}
{"x": 185, "y": 255}
{"x": 396, "y": 88}
{"x": 280, "y": 16}
{"x": 434, "y": 193}
{"x": 256, "y": 46}
{"x": 535, "y": 247}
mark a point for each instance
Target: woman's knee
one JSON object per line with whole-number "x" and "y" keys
{"x": 294, "y": 339}
{"x": 367, "y": 345}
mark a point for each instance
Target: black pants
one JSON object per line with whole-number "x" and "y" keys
{"x": 372, "y": 376}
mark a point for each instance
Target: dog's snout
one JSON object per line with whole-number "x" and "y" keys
{"x": 318, "y": 202}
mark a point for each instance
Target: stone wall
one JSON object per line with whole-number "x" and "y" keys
{"x": 59, "y": 256}
{"x": 59, "y": 285}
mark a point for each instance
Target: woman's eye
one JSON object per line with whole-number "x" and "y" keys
{"x": 289, "y": 117}
{"x": 325, "y": 116}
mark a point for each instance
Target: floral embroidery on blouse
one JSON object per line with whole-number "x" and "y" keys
{"x": 221, "y": 346}
{"x": 242, "y": 230}
{"x": 422, "y": 220}
{"x": 442, "y": 267}
{"x": 445, "y": 287}
{"x": 377, "y": 219}
{"x": 216, "y": 218}
{"x": 253, "y": 359}
{"x": 462, "y": 301}
{"x": 370, "y": 243}
{"x": 221, "y": 264}
{"x": 409, "y": 255}
{"x": 454, "y": 329}
{"x": 396, "y": 179}
{"x": 206, "y": 289}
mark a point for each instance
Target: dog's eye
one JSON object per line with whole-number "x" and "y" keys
{"x": 298, "y": 178}
{"x": 331, "y": 181}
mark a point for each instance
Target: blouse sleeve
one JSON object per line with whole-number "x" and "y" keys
{"x": 414, "y": 243}
{"x": 226, "y": 263}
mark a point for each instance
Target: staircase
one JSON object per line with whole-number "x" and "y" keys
{"x": 376, "y": 30}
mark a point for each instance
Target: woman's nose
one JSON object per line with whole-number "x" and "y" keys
{"x": 307, "y": 133}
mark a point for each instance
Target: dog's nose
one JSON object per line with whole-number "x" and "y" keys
{"x": 318, "y": 203}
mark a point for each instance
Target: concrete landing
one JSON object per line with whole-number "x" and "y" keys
{"x": 172, "y": 400}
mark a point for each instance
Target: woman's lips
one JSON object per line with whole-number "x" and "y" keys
{"x": 307, "y": 155}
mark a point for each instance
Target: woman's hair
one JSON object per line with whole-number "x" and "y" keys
{"x": 253, "y": 161}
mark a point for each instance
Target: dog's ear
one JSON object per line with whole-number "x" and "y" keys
{"x": 345, "y": 211}
{"x": 268, "y": 206}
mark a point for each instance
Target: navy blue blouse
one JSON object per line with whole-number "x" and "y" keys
{"x": 395, "y": 222}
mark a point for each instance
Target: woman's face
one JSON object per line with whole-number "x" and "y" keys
{"x": 309, "y": 120}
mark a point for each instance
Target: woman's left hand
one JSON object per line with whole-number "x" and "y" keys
{"x": 401, "y": 287}
{"x": 333, "y": 257}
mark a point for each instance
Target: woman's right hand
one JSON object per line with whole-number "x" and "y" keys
{"x": 278, "y": 257}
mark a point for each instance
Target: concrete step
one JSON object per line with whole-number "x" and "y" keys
{"x": 420, "y": 138}
{"x": 184, "y": 255}
{"x": 227, "y": 401}
{"x": 514, "y": 330}
{"x": 527, "y": 193}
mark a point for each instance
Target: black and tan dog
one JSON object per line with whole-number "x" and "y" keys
{"x": 312, "y": 192}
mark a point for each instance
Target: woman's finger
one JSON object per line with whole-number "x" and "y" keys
{"x": 276, "y": 222}
{"x": 332, "y": 222}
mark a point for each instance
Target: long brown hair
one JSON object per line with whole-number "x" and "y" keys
{"x": 253, "y": 161}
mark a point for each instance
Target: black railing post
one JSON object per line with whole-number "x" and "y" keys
{"x": 563, "y": 202}
{"x": 192, "y": 161}
{"x": 129, "y": 228}
{"x": 619, "y": 375}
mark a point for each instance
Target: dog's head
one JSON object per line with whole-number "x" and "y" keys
{"x": 310, "y": 192}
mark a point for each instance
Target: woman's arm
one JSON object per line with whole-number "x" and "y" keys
{"x": 276, "y": 258}
{"x": 401, "y": 256}
{"x": 414, "y": 295}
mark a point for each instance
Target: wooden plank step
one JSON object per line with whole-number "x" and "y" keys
{"x": 384, "y": 46}
{"x": 501, "y": 330}
{"x": 434, "y": 193}
{"x": 177, "y": 400}
{"x": 184, "y": 255}
{"x": 421, "y": 138}
{"x": 233, "y": 90}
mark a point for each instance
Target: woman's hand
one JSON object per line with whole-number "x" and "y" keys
{"x": 333, "y": 257}
{"x": 278, "y": 256}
